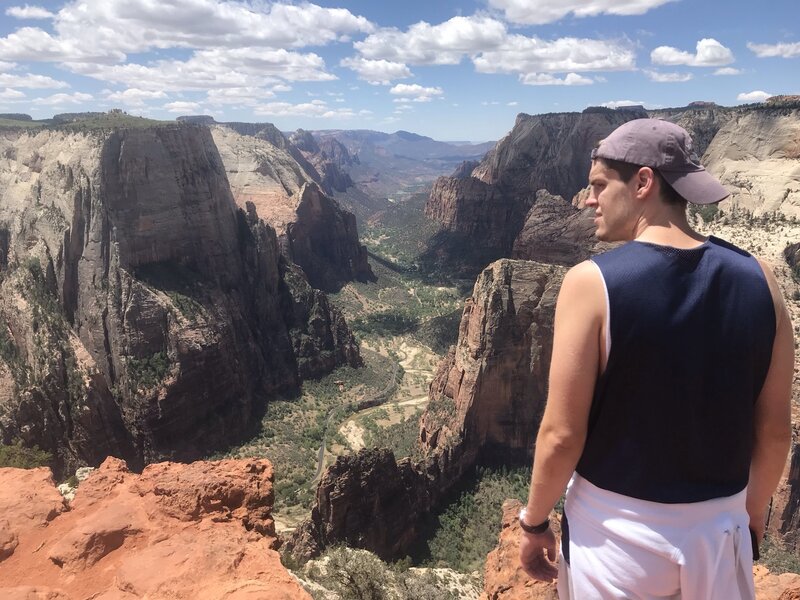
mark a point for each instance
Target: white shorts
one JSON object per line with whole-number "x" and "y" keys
{"x": 622, "y": 547}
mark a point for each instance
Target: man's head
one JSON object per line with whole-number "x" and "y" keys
{"x": 645, "y": 166}
{"x": 667, "y": 149}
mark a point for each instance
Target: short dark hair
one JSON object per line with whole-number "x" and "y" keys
{"x": 626, "y": 171}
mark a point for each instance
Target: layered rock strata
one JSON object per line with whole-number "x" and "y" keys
{"x": 265, "y": 169}
{"x": 198, "y": 531}
{"x": 755, "y": 155}
{"x": 143, "y": 314}
{"x": 485, "y": 404}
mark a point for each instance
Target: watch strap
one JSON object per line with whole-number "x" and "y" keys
{"x": 540, "y": 528}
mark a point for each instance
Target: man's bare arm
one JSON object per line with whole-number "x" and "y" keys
{"x": 562, "y": 434}
{"x": 772, "y": 427}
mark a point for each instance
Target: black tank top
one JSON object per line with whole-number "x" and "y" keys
{"x": 691, "y": 342}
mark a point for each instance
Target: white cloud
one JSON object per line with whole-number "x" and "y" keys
{"x": 216, "y": 68}
{"x": 29, "y": 12}
{"x": 60, "y": 99}
{"x": 121, "y": 27}
{"x": 315, "y": 108}
{"x": 754, "y": 96}
{"x": 527, "y": 55}
{"x": 710, "y": 53}
{"x": 512, "y": 103}
{"x": 783, "y": 50}
{"x": 728, "y": 71}
{"x": 539, "y": 12}
{"x": 36, "y": 45}
{"x": 377, "y": 72}
{"x": 182, "y": 107}
{"x": 548, "y": 79}
{"x": 667, "y": 77}
{"x": 30, "y": 81}
{"x": 7, "y": 66}
{"x": 443, "y": 44}
{"x": 135, "y": 97}
{"x": 415, "y": 92}
{"x": 623, "y": 103}
{"x": 9, "y": 94}
{"x": 242, "y": 96}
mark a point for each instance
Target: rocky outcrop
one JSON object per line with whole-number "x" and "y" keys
{"x": 755, "y": 155}
{"x": 504, "y": 578}
{"x": 314, "y": 231}
{"x": 485, "y": 404}
{"x": 491, "y": 389}
{"x": 486, "y": 211}
{"x": 556, "y": 232}
{"x": 329, "y": 157}
{"x": 143, "y": 314}
{"x": 202, "y": 530}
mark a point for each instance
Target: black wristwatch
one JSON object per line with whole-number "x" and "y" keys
{"x": 540, "y": 528}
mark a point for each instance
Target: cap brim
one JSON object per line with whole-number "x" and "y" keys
{"x": 698, "y": 187}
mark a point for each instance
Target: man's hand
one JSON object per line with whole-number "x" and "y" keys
{"x": 537, "y": 553}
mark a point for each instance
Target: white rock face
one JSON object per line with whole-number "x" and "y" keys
{"x": 756, "y": 155}
{"x": 261, "y": 173}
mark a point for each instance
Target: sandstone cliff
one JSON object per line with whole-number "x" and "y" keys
{"x": 556, "y": 232}
{"x": 485, "y": 403}
{"x": 755, "y": 155}
{"x": 198, "y": 531}
{"x": 143, "y": 314}
{"x": 329, "y": 157}
{"x": 482, "y": 214}
{"x": 266, "y": 169}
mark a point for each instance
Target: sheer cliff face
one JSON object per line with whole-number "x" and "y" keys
{"x": 143, "y": 314}
{"x": 495, "y": 378}
{"x": 490, "y": 206}
{"x": 755, "y": 155}
{"x": 313, "y": 230}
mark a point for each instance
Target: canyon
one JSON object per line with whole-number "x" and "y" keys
{"x": 161, "y": 284}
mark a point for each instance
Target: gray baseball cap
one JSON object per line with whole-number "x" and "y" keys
{"x": 667, "y": 148}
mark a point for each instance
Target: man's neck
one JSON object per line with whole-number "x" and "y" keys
{"x": 668, "y": 228}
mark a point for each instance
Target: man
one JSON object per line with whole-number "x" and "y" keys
{"x": 668, "y": 407}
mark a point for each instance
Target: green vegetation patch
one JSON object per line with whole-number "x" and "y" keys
{"x": 149, "y": 371}
{"x": 18, "y": 456}
{"x": 292, "y": 429}
{"x": 778, "y": 558}
{"x": 467, "y": 529}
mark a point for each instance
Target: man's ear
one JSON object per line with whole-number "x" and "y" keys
{"x": 645, "y": 182}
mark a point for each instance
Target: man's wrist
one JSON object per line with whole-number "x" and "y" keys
{"x": 535, "y": 529}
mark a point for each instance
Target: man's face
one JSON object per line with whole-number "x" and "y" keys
{"x": 614, "y": 201}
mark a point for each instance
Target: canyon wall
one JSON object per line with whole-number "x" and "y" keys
{"x": 266, "y": 169}
{"x": 482, "y": 214}
{"x": 143, "y": 314}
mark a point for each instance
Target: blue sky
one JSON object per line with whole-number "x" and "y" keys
{"x": 451, "y": 70}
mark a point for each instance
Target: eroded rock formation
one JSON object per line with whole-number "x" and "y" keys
{"x": 485, "y": 403}
{"x": 482, "y": 214}
{"x": 755, "y": 155}
{"x": 143, "y": 314}
{"x": 265, "y": 169}
{"x": 197, "y": 531}
{"x": 556, "y": 232}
